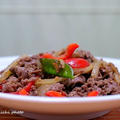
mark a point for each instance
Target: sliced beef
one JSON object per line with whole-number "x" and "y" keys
{"x": 77, "y": 81}
{"x": 77, "y": 91}
{"x": 11, "y": 85}
{"x": 27, "y": 68}
{"x": 57, "y": 87}
{"x": 104, "y": 87}
{"x": 33, "y": 91}
{"x": 20, "y": 72}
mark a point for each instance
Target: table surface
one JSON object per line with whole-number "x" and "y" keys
{"x": 113, "y": 115}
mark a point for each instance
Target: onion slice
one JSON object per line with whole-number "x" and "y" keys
{"x": 117, "y": 78}
{"x": 83, "y": 70}
{"x": 43, "y": 85}
{"x": 96, "y": 67}
{"x": 40, "y": 82}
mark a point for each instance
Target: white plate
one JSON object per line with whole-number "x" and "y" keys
{"x": 46, "y": 105}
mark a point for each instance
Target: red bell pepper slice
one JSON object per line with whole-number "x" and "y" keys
{"x": 23, "y": 92}
{"x": 69, "y": 52}
{"x": 47, "y": 55}
{"x": 54, "y": 94}
{"x": 77, "y": 62}
{"x": 28, "y": 87}
{"x": 93, "y": 93}
{"x": 0, "y": 87}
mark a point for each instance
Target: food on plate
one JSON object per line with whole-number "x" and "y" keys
{"x": 69, "y": 72}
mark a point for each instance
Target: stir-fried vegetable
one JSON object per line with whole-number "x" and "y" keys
{"x": 48, "y": 55}
{"x": 113, "y": 68}
{"x": 44, "y": 84}
{"x": 42, "y": 89}
{"x": 59, "y": 53}
{"x": 23, "y": 92}
{"x": 96, "y": 68}
{"x": 54, "y": 67}
{"x": 83, "y": 70}
{"x": 93, "y": 93}
{"x": 40, "y": 82}
{"x": 53, "y": 74}
{"x": 55, "y": 94}
{"x": 77, "y": 62}
{"x": 0, "y": 87}
{"x": 117, "y": 78}
{"x": 28, "y": 87}
{"x": 68, "y": 53}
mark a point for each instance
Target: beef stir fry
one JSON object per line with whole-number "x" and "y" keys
{"x": 69, "y": 72}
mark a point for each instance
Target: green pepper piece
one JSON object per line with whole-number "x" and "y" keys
{"x": 50, "y": 66}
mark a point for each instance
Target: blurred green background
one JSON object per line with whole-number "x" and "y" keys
{"x": 33, "y": 26}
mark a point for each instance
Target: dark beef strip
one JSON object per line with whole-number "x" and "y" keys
{"x": 33, "y": 91}
{"x": 80, "y": 80}
{"x": 27, "y": 68}
{"x": 11, "y": 85}
{"x": 57, "y": 87}
{"x": 84, "y": 54}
